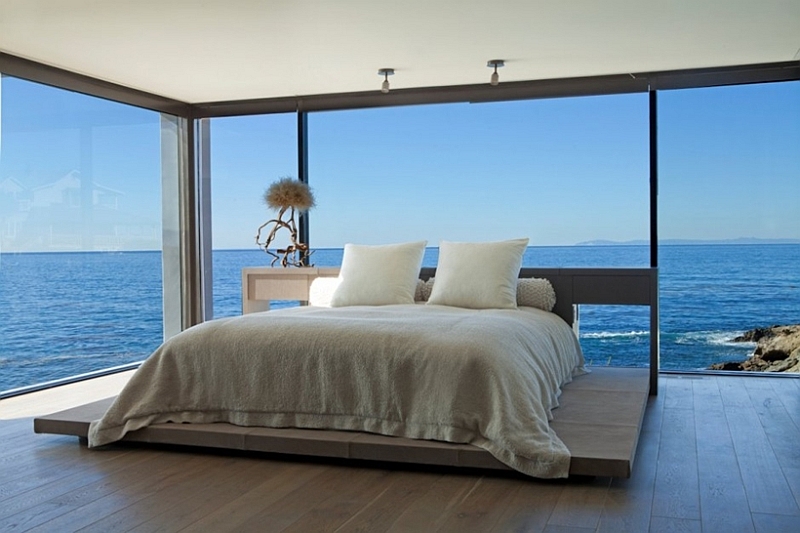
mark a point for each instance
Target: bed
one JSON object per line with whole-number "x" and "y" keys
{"x": 487, "y": 378}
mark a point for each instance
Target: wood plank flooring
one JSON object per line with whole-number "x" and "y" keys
{"x": 716, "y": 453}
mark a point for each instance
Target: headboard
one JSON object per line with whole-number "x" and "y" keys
{"x": 573, "y": 286}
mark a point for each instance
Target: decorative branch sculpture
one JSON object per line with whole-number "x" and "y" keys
{"x": 292, "y": 196}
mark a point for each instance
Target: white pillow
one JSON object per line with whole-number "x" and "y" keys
{"x": 321, "y": 291}
{"x": 536, "y": 292}
{"x": 481, "y": 275}
{"x": 379, "y": 275}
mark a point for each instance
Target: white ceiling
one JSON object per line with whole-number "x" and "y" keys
{"x": 218, "y": 50}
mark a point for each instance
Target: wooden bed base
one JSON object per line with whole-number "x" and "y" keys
{"x": 599, "y": 417}
{"x": 599, "y": 420}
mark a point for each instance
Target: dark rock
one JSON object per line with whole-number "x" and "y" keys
{"x": 726, "y": 366}
{"x": 777, "y": 350}
{"x": 754, "y": 335}
{"x": 774, "y": 355}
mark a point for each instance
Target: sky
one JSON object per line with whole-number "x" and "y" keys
{"x": 558, "y": 171}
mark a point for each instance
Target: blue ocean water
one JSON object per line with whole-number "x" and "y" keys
{"x": 63, "y": 314}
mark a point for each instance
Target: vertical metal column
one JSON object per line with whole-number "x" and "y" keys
{"x": 302, "y": 174}
{"x": 190, "y": 231}
{"x": 204, "y": 218}
{"x": 655, "y": 328}
{"x": 653, "y": 180}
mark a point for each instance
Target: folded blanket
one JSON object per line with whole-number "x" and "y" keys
{"x": 485, "y": 377}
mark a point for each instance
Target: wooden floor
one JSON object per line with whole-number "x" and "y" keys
{"x": 717, "y": 453}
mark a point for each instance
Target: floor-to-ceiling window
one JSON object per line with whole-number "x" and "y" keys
{"x": 81, "y": 181}
{"x": 559, "y": 171}
{"x": 729, "y": 221}
{"x": 248, "y": 153}
{"x": 80, "y": 233}
{"x": 571, "y": 174}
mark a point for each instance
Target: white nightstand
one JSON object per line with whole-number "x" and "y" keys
{"x": 262, "y": 284}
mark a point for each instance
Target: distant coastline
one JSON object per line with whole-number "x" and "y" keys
{"x": 684, "y": 242}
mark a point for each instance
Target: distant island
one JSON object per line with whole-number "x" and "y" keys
{"x": 677, "y": 242}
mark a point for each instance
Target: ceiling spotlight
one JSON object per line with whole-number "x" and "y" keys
{"x": 495, "y": 79}
{"x": 385, "y": 72}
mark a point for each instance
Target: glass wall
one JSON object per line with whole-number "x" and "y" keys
{"x": 247, "y": 155}
{"x": 729, "y": 223}
{"x": 571, "y": 174}
{"x": 81, "y": 212}
{"x": 559, "y": 171}
{"x": 80, "y": 233}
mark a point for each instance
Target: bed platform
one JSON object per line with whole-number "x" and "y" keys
{"x": 599, "y": 421}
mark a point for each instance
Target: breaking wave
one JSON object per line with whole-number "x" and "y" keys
{"x": 615, "y": 334}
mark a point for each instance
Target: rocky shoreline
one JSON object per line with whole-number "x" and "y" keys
{"x": 777, "y": 350}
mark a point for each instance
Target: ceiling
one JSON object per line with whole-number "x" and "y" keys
{"x": 222, "y": 50}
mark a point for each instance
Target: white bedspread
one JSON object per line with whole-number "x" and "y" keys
{"x": 489, "y": 377}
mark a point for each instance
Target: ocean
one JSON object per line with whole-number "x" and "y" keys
{"x": 63, "y": 314}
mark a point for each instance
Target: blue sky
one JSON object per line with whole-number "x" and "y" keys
{"x": 738, "y": 150}
{"x": 465, "y": 172}
{"x": 559, "y": 171}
